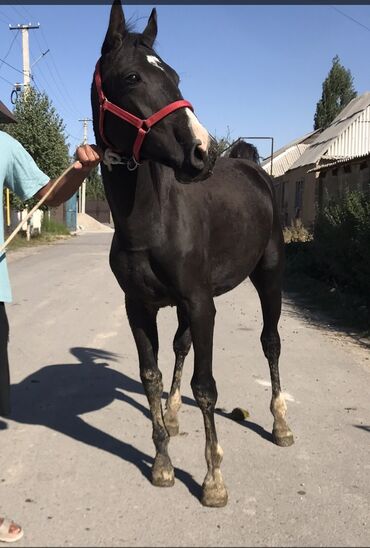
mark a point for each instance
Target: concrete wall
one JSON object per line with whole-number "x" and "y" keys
{"x": 318, "y": 188}
{"x": 296, "y": 194}
{"x": 334, "y": 182}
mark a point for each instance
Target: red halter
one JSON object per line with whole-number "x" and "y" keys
{"x": 143, "y": 126}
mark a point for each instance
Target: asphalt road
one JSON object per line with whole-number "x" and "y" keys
{"x": 76, "y": 454}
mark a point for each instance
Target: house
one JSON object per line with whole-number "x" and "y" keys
{"x": 336, "y": 160}
{"x": 282, "y": 161}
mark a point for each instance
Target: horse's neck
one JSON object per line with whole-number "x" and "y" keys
{"x": 137, "y": 200}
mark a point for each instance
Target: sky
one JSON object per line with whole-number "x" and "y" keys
{"x": 250, "y": 70}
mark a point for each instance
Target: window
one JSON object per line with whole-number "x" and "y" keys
{"x": 283, "y": 193}
{"x": 299, "y": 194}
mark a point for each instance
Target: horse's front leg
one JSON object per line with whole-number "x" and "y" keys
{"x": 201, "y": 312}
{"x": 181, "y": 347}
{"x": 143, "y": 323}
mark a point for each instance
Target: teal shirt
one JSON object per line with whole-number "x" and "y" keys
{"x": 19, "y": 173}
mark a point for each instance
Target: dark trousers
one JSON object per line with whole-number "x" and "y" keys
{"x": 4, "y": 363}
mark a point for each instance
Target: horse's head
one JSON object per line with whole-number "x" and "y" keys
{"x": 132, "y": 77}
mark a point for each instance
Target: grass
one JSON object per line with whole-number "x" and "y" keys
{"x": 51, "y": 231}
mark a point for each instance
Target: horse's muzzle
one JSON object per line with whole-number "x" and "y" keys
{"x": 196, "y": 167}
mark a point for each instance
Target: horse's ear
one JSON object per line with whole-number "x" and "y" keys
{"x": 150, "y": 31}
{"x": 116, "y": 29}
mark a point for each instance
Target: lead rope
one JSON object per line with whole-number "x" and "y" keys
{"x": 112, "y": 159}
{"x": 39, "y": 203}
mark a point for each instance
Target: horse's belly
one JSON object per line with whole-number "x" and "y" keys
{"x": 136, "y": 277}
{"x": 227, "y": 275}
{"x": 232, "y": 265}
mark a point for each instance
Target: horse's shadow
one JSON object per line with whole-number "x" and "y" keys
{"x": 57, "y": 395}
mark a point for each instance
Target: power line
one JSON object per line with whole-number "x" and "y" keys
{"x": 10, "y": 48}
{"x": 3, "y": 14}
{"x": 351, "y": 18}
{"x": 11, "y": 66}
{"x": 7, "y": 81}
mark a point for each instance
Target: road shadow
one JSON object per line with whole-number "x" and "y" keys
{"x": 256, "y": 428}
{"x": 56, "y": 395}
{"x": 326, "y": 309}
{"x": 253, "y": 426}
{"x": 364, "y": 427}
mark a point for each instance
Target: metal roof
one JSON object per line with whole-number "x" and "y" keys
{"x": 339, "y": 161}
{"x": 347, "y": 136}
{"x": 284, "y": 157}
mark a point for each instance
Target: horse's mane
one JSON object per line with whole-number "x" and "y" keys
{"x": 241, "y": 149}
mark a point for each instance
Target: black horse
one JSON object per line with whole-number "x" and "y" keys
{"x": 181, "y": 244}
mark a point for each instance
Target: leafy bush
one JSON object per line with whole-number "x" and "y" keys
{"x": 342, "y": 243}
{"x": 339, "y": 253}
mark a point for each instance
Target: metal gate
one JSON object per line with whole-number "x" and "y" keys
{"x": 71, "y": 213}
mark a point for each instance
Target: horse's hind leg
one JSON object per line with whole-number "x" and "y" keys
{"x": 181, "y": 347}
{"x": 267, "y": 279}
{"x": 144, "y": 328}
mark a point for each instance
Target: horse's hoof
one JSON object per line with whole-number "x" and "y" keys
{"x": 283, "y": 440}
{"x": 163, "y": 479}
{"x": 214, "y": 496}
{"x": 163, "y": 474}
{"x": 172, "y": 425}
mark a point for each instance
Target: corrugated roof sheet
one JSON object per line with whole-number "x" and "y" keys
{"x": 347, "y": 135}
{"x": 284, "y": 157}
{"x": 282, "y": 163}
{"x": 339, "y": 161}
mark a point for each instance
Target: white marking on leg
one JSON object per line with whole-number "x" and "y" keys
{"x": 174, "y": 401}
{"x": 278, "y": 407}
{"x": 154, "y": 61}
{"x": 198, "y": 131}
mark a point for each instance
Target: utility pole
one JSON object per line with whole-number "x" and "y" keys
{"x": 26, "y": 73}
{"x": 25, "y": 52}
{"x": 82, "y": 201}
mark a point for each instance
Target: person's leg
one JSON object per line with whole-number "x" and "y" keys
{"x": 9, "y": 531}
{"x": 4, "y": 364}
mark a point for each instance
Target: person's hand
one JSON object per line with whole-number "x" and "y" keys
{"x": 87, "y": 157}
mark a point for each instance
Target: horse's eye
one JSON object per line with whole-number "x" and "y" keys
{"x": 132, "y": 78}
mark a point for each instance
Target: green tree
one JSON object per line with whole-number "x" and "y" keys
{"x": 337, "y": 92}
{"x": 41, "y": 131}
{"x": 94, "y": 186}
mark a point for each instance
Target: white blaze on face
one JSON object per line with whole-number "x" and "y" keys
{"x": 198, "y": 131}
{"x": 154, "y": 61}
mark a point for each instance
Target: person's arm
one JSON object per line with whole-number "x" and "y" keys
{"x": 87, "y": 157}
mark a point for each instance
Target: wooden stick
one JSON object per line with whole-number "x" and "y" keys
{"x": 39, "y": 203}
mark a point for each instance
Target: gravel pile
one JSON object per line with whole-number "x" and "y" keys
{"x": 86, "y": 223}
